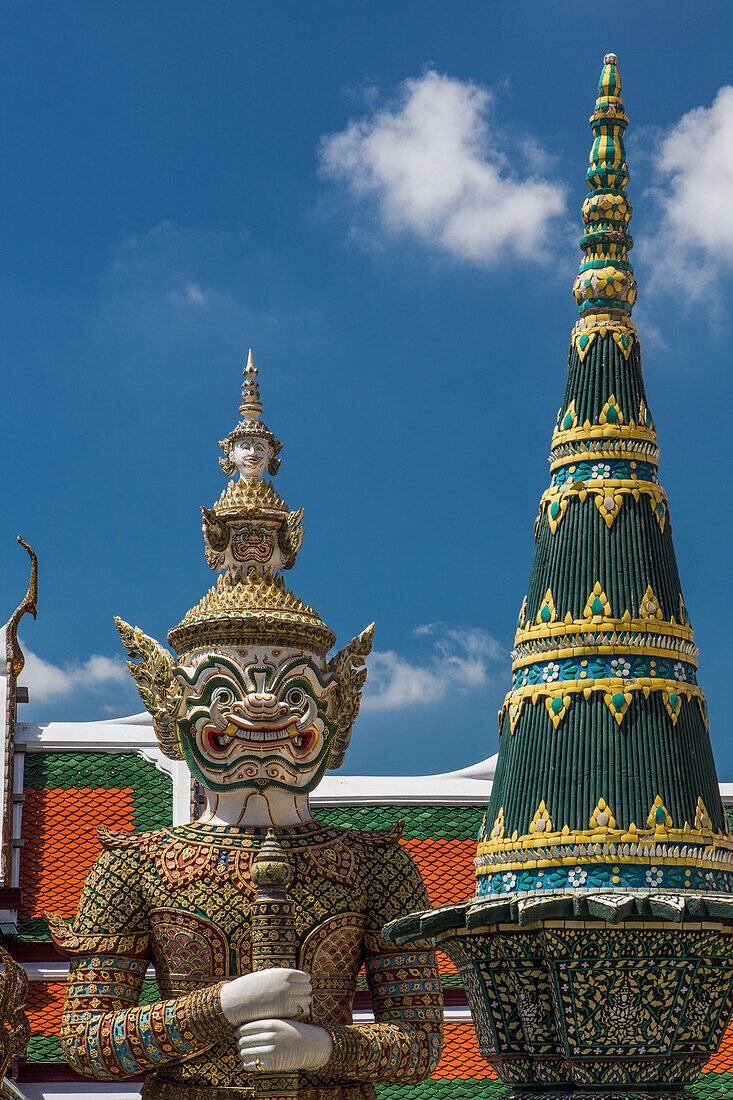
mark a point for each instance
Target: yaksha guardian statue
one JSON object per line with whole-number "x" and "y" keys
{"x": 258, "y": 713}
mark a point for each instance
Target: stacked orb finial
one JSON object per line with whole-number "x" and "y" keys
{"x": 605, "y": 288}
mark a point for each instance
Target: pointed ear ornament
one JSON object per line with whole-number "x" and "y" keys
{"x": 274, "y": 464}
{"x": 226, "y": 461}
{"x": 216, "y": 530}
{"x": 160, "y": 692}
{"x": 290, "y": 537}
{"x": 349, "y": 669}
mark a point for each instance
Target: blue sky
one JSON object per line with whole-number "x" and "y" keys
{"x": 383, "y": 200}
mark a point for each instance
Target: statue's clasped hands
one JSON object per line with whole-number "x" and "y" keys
{"x": 266, "y": 1009}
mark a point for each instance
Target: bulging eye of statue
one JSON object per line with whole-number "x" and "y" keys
{"x": 224, "y": 697}
{"x": 295, "y": 697}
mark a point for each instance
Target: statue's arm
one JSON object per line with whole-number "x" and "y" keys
{"x": 105, "y": 1034}
{"x": 115, "y": 1038}
{"x": 405, "y": 1041}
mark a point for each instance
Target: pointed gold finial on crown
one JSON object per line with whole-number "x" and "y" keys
{"x": 250, "y": 407}
{"x": 250, "y": 426}
{"x": 605, "y": 283}
{"x": 605, "y": 288}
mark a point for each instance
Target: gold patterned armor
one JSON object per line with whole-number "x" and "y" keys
{"x": 180, "y": 898}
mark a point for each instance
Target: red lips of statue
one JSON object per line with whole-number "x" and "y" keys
{"x": 258, "y": 738}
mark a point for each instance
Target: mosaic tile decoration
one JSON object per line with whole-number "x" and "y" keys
{"x": 605, "y": 773}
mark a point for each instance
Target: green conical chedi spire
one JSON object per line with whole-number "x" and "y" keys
{"x": 605, "y": 775}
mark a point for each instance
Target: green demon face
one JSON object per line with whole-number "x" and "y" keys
{"x": 259, "y": 723}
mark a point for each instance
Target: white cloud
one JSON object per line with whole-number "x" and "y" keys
{"x": 46, "y": 681}
{"x": 172, "y": 275}
{"x": 694, "y": 159}
{"x": 436, "y": 166}
{"x": 193, "y": 293}
{"x": 457, "y": 660}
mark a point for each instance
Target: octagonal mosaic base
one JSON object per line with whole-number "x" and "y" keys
{"x": 575, "y": 1008}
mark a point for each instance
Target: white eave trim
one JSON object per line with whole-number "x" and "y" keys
{"x": 119, "y": 734}
{"x": 400, "y": 790}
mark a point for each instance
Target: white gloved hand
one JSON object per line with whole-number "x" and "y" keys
{"x": 281, "y": 1046}
{"x": 278, "y": 992}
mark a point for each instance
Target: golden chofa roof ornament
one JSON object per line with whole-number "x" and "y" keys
{"x": 250, "y": 447}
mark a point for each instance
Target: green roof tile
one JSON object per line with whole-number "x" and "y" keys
{"x": 426, "y": 822}
{"x": 45, "y": 1048}
{"x": 152, "y": 790}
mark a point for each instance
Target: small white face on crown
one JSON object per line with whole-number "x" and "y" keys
{"x": 251, "y": 455}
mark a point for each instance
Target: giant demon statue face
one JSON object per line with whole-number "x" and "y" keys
{"x": 256, "y": 718}
{"x": 259, "y": 722}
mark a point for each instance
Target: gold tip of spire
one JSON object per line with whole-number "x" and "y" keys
{"x": 605, "y": 289}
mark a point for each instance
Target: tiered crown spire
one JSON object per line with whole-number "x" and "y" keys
{"x": 250, "y": 426}
{"x": 605, "y": 774}
{"x": 250, "y": 536}
{"x": 250, "y": 407}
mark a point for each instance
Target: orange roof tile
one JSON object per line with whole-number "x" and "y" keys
{"x": 45, "y": 1005}
{"x": 445, "y": 966}
{"x": 61, "y": 842}
{"x": 446, "y": 867}
{"x": 460, "y": 1057}
{"x": 722, "y": 1060}
{"x": 447, "y": 870}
